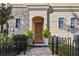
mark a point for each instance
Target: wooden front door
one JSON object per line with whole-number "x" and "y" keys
{"x": 38, "y": 32}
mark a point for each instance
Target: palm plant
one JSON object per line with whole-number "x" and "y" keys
{"x": 46, "y": 33}
{"x": 29, "y": 34}
{"x": 5, "y": 15}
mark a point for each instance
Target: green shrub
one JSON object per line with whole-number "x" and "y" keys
{"x": 5, "y": 41}
{"x": 19, "y": 37}
{"x": 2, "y": 37}
{"x": 29, "y": 34}
{"x": 20, "y": 41}
{"x": 10, "y": 45}
{"x": 9, "y": 41}
{"x": 46, "y": 33}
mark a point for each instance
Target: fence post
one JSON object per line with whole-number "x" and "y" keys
{"x": 68, "y": 47}
{"x": 77, "y": 45}
{"x": 57, "y": 45}
{"x": 73, "y": 49}
{"x": 65, "y": 46}
{"x": 52, "y": 45}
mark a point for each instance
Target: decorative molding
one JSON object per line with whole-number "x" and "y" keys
{"x": 65, "y": 10}
{"x": 37, "y": 7}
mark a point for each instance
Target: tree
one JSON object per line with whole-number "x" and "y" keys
{"x": 5, "y": 15}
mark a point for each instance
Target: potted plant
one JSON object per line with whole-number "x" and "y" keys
{"x": 46, "y": 34}
{"x": 29, "y": 34}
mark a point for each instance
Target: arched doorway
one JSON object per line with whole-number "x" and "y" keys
{"x": 37, "y": 25}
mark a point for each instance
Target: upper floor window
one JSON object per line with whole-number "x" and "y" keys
{"x": 73, "y": 23}
{"x": 17, "y": 23}
{"x": 60, "y": 22}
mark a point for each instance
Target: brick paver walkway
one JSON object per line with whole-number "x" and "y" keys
{"x": 38, "y": 51}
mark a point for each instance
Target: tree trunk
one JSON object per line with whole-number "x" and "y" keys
{"x": 1, "y": 28}
{"x": 7, "y": 27}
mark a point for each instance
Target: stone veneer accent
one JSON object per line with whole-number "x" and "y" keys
{"x": 21, "y": 13}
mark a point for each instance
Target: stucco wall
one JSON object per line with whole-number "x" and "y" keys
{"x": 63, "y": 32}
{"x": 21, "y": 12}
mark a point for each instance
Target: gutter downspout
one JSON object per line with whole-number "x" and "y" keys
{"x": 49, "y": 11}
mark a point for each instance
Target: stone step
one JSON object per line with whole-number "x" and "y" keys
{"x": 40, "y": 45}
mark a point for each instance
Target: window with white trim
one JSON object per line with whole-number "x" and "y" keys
{"x": 60, "y": 22}
{"x": 73, "y": 23}
{"x": 17, "y": 23}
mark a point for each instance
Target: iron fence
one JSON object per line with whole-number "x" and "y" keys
{"x": 65, "y": 46}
